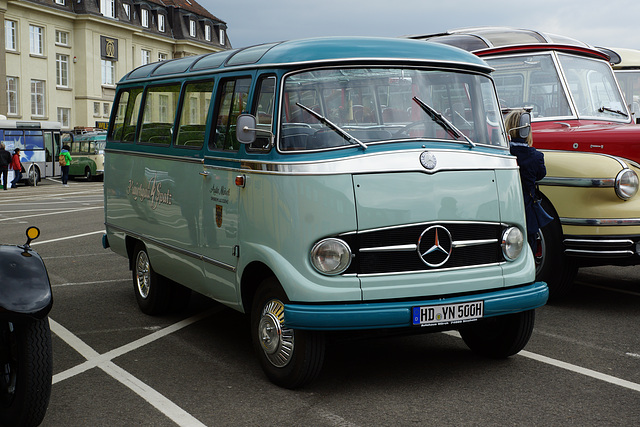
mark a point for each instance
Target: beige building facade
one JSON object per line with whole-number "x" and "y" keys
{"x": 63, "y": 58}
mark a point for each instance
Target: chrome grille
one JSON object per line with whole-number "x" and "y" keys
{"x": 395, "y": 250}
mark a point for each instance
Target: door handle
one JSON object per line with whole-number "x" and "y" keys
{"x": 204, "y": 173}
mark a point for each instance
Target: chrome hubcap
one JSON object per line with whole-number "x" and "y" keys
{"x": 143, "y": 276}
{"x": 277, "y": 341}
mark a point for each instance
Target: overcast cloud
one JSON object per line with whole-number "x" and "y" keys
{"x": 609, "y": 23}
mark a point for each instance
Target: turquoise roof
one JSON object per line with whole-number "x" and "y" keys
{"x": 321, "y": 50}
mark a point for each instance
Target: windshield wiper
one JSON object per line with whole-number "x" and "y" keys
{"x": 442, "y": 121}
{"x": 343, "y": 133}
{"x": 603, "y": 109}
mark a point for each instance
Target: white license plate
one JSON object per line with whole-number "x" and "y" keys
{"x": 446, "y": 314}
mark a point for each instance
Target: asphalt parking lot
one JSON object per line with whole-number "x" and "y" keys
{"x": 114, "y": 366}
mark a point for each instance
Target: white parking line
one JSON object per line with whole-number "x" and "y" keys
{"x": 104, "y": 362}
{"x": 96, "y": 282}
{"x": 67, "y": 237}
{"x": 580, "y": 370}
{"x": 570, "y": 367}
{"x": 65, "y": 211}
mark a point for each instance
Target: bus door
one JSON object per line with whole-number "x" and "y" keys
{"x": 52, "y": 151}
{"x": 220, "y": 192}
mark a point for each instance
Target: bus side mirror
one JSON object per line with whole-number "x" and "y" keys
{"x": 524, "y": 127}
{"x": 246, "y": 129}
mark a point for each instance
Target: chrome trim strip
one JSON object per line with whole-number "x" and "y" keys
{"x": 435, "y": 270}
{"x": 396, "y": 227}
{"x": 173, "y": 248}
{"x": 600, "y": 253}
{"x": 595, "y": 241}
{"x": 468, "y": 243}
{"x": 398, "y": 248}
{"x": 578, "y": 182}
{"x": 601, "y": 221}
{"x": 388, "y": 161}
{"x": 155, "y": 155}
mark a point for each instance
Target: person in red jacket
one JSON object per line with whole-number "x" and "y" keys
{"x": 17, "y": 168}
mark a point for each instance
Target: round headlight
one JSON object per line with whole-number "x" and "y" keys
{"x": 331, "y": 256}
{"x": 626, "y": 184}
{"x": 512, "y": 242}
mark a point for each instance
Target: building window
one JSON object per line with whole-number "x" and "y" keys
{"x": 36, "y": 45}
{"x": 221, "y": 36}
{"x": 63, "y": 116}
{"x": 108, "y": 73}
{"x": 96, "y": 109}
{"x": 127, "y": 10}
{"x": 161, "y": 23}
{"x": 37, "y": 98}
{"x": 107, "y": 8}
{"x": 145, "y": 56}
{"x": 62, "y": 70}
{"x": 207, "y": 32}
{"x": 12, "y": 96}
{"x": 106, "y": 109}
{"x": 10, "y": 35}
{"x": 192, "y": 28}
{"x": 162, "y": 56}
{"x": 145, "y": 18}
{"x": 62, "y": 38}
{"x": 60, "y": 2}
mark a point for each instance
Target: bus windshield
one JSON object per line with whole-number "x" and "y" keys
{"x": 376, "y": 105}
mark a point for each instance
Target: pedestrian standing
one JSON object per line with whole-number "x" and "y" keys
{"x": 67, "y": 161}
{"x": 16, "y": 165}
{"x": 5, "y": 161}
{"x": 532, "y": 169}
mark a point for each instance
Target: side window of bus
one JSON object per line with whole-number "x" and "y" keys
{"x": 126, "y": 118}
{"x": 194, "y": 114}
{"x": 263, "y": 111}
{"x": 231, "y": 102}
{"x": 15, "y": 136}
{"x": 161, "y": 103}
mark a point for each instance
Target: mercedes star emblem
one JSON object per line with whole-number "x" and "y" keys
{"x": 434, "y": 246}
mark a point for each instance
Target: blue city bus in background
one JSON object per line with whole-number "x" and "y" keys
{"x": 39, "y": 144}
{"x": 321, "y": 186}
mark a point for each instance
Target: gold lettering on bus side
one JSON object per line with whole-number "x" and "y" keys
{"x": 152, "y": 192}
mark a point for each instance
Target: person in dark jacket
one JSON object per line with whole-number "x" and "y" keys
{"x": 531, "y": 163}
{"x": 17, "y": 168}
{"x": 5, "y": 160}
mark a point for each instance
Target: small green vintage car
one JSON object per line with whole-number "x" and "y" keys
{"x": 87, "y": 154}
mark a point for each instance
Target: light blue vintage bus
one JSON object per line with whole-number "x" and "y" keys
{"x": 323, "y": 185}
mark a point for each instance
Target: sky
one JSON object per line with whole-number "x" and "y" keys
{"x": 608, "y": 23}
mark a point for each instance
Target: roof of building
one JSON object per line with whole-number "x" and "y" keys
{"x": 190, "y": 5}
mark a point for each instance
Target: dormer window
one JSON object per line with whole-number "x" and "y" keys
{"x": 221, "y": 35}
{"x": 161, "y": 23}
{"x": 107, "y": 8}
{"x": 207, "y": 32}
{"x": 144, "y": 18}
{"x": 192, "y": 28}
{"x": 127, "y": 10}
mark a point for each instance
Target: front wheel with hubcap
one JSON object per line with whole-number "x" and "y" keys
{"x": 26, "y": 368}
{"x": 289, "y": 357}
